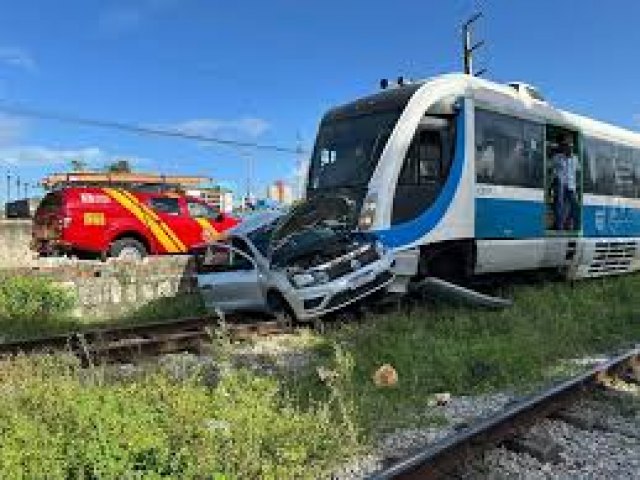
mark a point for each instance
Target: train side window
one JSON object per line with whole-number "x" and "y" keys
{"x": 623, "y": 172}
{"x": 533, "y": 153}
{"x": 423, "y": 162}
{"x": 509, "y": 150}
{"x": 429, "y": 156}
{"x": 636, "y": 169}
{"x": 605, "y": 158}
{"x": 591, "y": 172}
{"x": 425, "y": 168}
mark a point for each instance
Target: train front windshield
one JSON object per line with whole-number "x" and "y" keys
{"x": 347, "y": 150}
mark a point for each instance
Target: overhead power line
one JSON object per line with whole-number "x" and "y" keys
{"x": 23, "y": 111}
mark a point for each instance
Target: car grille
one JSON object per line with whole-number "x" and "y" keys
{"x": 348, "y": 295}
{"x": 346, "y": 266}
{"x": 311, "y": 303}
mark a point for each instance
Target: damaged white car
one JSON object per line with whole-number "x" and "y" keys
{"x": 297, "y": 266}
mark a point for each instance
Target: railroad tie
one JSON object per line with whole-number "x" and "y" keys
{"x": 541, "y": 447}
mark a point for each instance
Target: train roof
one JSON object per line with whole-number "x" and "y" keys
{"x": 517, "y": 98}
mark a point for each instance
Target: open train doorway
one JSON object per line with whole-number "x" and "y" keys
{"x": 563, "y": 181}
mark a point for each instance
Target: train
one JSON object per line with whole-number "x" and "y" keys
{"x": 457, "y": 174}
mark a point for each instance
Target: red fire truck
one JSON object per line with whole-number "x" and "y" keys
{"x": 120, "y": 218}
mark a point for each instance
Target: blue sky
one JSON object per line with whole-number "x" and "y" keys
{"x": 264, "y": 71}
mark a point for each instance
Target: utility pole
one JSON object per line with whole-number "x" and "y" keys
{"x": 8, "y": 186}
{"x": 249, "y": 158}
{"x": 299, "y": 176}
{"x": 18, "y": 187}
{"x": 468, "y": 47}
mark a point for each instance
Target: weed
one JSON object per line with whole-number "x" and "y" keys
{"x": 30, "y": 306}
{"x": 56, "y": 426}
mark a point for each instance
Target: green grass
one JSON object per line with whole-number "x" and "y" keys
{"x": 32, "y": 306}
{"x": 35, "y": 307}
{"x": 57, "y": 422}
{"x": 166, "y": 308}
{"x": 443, "y": 348}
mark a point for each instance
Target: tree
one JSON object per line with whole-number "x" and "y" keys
{"x": 78, "y": 165}
{"x": 119, "y": 166}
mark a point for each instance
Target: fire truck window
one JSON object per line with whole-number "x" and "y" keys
{"x": 197, "y": 209}
{"x": 170, "y": 206}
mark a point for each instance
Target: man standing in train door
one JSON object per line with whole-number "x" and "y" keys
{"x": 566, "y": 172}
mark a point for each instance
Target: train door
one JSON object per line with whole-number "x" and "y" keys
{"x": 563, "y": 181}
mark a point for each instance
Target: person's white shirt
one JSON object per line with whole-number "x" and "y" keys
{"x": 566, "y": 169}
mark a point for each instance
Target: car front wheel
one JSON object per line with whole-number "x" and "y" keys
{"x": 283, "y": 314}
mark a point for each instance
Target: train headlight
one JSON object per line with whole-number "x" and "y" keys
{"x": 368, "y": 214}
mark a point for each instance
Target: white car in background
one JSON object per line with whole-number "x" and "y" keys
{"x": 297, "y": 266}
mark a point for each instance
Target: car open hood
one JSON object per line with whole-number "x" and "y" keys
{"x": 323, "y": 211}
{"x": 311, "y": 226}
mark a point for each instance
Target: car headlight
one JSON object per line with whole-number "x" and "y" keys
{"x": 309, "y": 279}
{"x": 368, "y": 213}
{"x": 301, "y": 280}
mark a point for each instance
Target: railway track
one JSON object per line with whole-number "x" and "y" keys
{"x": 120, "y": 343}
{"x": 520, "y": 427}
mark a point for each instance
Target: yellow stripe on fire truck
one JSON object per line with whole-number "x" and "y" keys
{"x": 163, "y": 225}
{"x": 144, "y": 217}
{"x": 209, "y": 234}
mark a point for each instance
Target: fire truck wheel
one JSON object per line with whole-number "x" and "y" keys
{"x": 127, "y": 248}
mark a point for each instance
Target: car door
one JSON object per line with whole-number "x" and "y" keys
{"x": 229, "y": 278}
{"x": 173, "y": 222}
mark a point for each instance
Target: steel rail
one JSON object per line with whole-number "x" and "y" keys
{"x": 122, "y": 342}
{"x": 437, "y": 458}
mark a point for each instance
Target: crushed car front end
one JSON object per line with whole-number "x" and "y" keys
{"x": 311, "y": 258}
{"x": 316, "y": 290}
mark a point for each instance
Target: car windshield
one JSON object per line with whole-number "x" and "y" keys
{"x": 261, "y": 237}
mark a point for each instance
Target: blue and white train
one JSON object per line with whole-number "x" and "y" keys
{"x": 458, "y": 172}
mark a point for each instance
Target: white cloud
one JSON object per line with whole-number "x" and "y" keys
{"x": 17, "y": 57}
{"x": 31, "y": 155}
{"x": 40, "y": 156}
{"x": 248, "y": 126}
{"x": 11, "y": 129}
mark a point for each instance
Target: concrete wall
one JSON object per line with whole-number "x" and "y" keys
{"x": 118, "y": 288}
{"x": 15, "y": 236}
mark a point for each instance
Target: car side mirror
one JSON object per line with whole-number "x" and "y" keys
{"x": 219, "y": 218}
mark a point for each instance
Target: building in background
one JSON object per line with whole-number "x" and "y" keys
{"x": 218, "y": 197}
{"x": 280, "y": 192}
{"x": 21, "y": 208}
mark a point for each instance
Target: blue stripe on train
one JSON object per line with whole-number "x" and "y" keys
{"x": 500, "y": 218}
{"x": 508, "y": 218}
{"x": 406, "y": 233}
{"x": 601, "y": 221}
